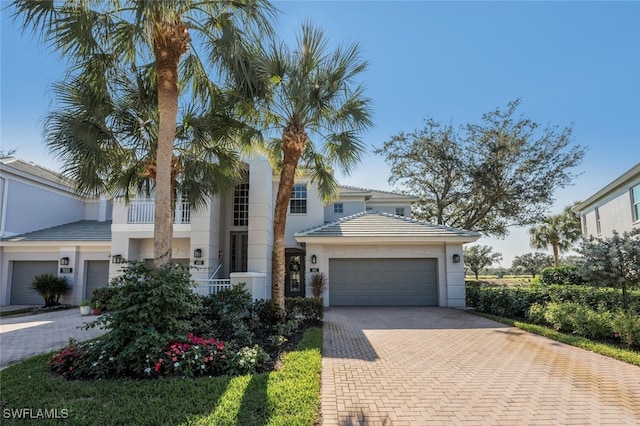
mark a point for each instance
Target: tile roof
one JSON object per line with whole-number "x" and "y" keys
{"x": 35, "y": 170}
{"x": 380, "y": 225}
{"x": 374, "y": 192}
{"x": 84, "y": 230}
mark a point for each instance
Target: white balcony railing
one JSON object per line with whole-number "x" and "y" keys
{"x": 142, "y": 211}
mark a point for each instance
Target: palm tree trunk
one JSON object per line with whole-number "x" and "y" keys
{"x": 170, "y": 42}
{"x": 556, "y": 255}
{"x": 293, "y": 144}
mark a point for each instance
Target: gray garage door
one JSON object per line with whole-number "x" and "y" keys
{"x": 23, "y": 273}
{"x": 97, "y": 276}
{"x": 383, "y": 282}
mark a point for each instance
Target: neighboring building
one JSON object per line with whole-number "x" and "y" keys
{"x": 45, "y": 227}
{"x": 616, "y": 207}
{"x": 366, "y": 243}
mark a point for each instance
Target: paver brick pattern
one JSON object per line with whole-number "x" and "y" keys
{"x": 27, "y": 335}
{"x": 432, "y": 366}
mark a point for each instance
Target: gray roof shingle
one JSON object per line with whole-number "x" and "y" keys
{"x": 84, "y": 230}
{"x": 383, "y": 225}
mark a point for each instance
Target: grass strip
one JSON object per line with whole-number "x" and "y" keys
{"x": 290, "y": 396}
{"x": 611, "y": 351}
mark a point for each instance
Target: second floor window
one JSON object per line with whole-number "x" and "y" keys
{"x": 338, "y": 208}
{"x": 298, "y": 203}
{"x": 598, "y": 229}
{"x": 241, "y": 205}
{"x": 399, "y": 211}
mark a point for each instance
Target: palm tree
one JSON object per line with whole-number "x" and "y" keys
{"x": 558, "y": 231}
{"x": 96, "y": 35}
{"x": 107, "y": 140}
{"x": 319, "y": 109}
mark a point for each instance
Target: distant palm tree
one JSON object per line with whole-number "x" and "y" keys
{"x": 95, "y": 36}
{"x": 107, "y": 140}
{"x": 320, "y": 110}
{"x": 559, "y": 231}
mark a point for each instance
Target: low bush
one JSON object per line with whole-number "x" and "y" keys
{"x": 304, "y": 308}
{"x": 570, "y": 317}
{"x": 51, "y": 287}
{"x": 102, "y": 297}
{"x": 627, "y": 327}
{"x": 561, "y": 275}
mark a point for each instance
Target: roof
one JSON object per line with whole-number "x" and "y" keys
{"x": 378, "y": 226}
{"x": 84, "y": 230}
{"x": 374, "y": 194}
{"x": 34, "y": 170}
{"x": 622, "y": 183}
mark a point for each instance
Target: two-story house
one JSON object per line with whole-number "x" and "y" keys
{"x": 616, "y": 207}
{"x": 366, "y": 243}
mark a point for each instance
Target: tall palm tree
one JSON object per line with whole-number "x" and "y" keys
{"x": 93, "y": 35}
{"x": 107, "y": 140}
{"x": 558, "y": 231}
{"x": 320, "y": 110}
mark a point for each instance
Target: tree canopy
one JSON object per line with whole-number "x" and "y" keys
{"x": 559, "y": 231}
{"x": 483, "y": 177}
{"x": 480, "y": 256}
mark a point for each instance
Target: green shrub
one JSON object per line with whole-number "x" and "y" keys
{"x": 150, "y": 309}
{"x": 535, "y": 314}
{"x": 627, "y": 327}
{"x": 51, "y": 287}
{"x": 570, "y": 317}
{"x": 102, "y": 297}
{"x": 306, "y": 308}
{"x": 594, "y": 297}
{"x": 561, "y": 275}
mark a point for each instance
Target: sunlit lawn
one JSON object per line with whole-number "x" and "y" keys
{"x": 290, "y": 396}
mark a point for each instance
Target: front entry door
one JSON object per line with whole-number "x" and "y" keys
{"x": 294, "y": 274}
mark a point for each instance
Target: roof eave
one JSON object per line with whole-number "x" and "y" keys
{"x": 389, "y": 240}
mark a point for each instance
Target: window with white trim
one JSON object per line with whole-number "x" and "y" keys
{"x": 338, "y": 208}
{"x": 399, "y": 211}
{"x": 635, "y": 202}
{"x": 598, "y": 229}
{"x": 298, "y": 203}
{"x": 241, "y": 205}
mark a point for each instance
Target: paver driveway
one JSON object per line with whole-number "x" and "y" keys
{"x": 27, "y": 335}
{"x": 429, "y": 366}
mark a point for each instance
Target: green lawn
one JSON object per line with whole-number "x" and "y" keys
{"x": 290, "y": 396}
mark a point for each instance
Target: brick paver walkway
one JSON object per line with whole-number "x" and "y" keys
{"x": 432, "y": 366}
{"x": 27, "y": 335}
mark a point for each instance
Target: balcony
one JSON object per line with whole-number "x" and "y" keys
{"x": 143, "y": 211}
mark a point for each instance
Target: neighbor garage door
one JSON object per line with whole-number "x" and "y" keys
{"x": 383, "y": 282}
{"x": 23, "y": 273}
{"x": 97, "y": 276}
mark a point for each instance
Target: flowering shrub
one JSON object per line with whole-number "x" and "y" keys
{"x": 246, "y": 360}
{"x": 195, "y": 357}
{"x": 66, "y": 361}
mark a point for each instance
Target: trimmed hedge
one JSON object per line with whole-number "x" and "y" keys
{"x": 592, "y": 312}
{"x": 561, "y": 275}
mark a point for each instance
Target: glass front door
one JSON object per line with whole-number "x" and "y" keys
{"x": 294, "y": 275}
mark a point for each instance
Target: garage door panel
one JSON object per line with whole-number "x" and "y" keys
{"x": 22, "y": 278}
{"x": 380, "y": 282}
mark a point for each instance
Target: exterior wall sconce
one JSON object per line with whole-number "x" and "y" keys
{"x": 314, "y": 259}
{"x": 117, "y": 258}
{"x": 197, "y": 253}
{"x": 456, "y": 258}
{"x": 219, "y": 254}
{"x": 64, "y": 261}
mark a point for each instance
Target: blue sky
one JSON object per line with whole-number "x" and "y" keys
{"x": 569, "y": 62}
